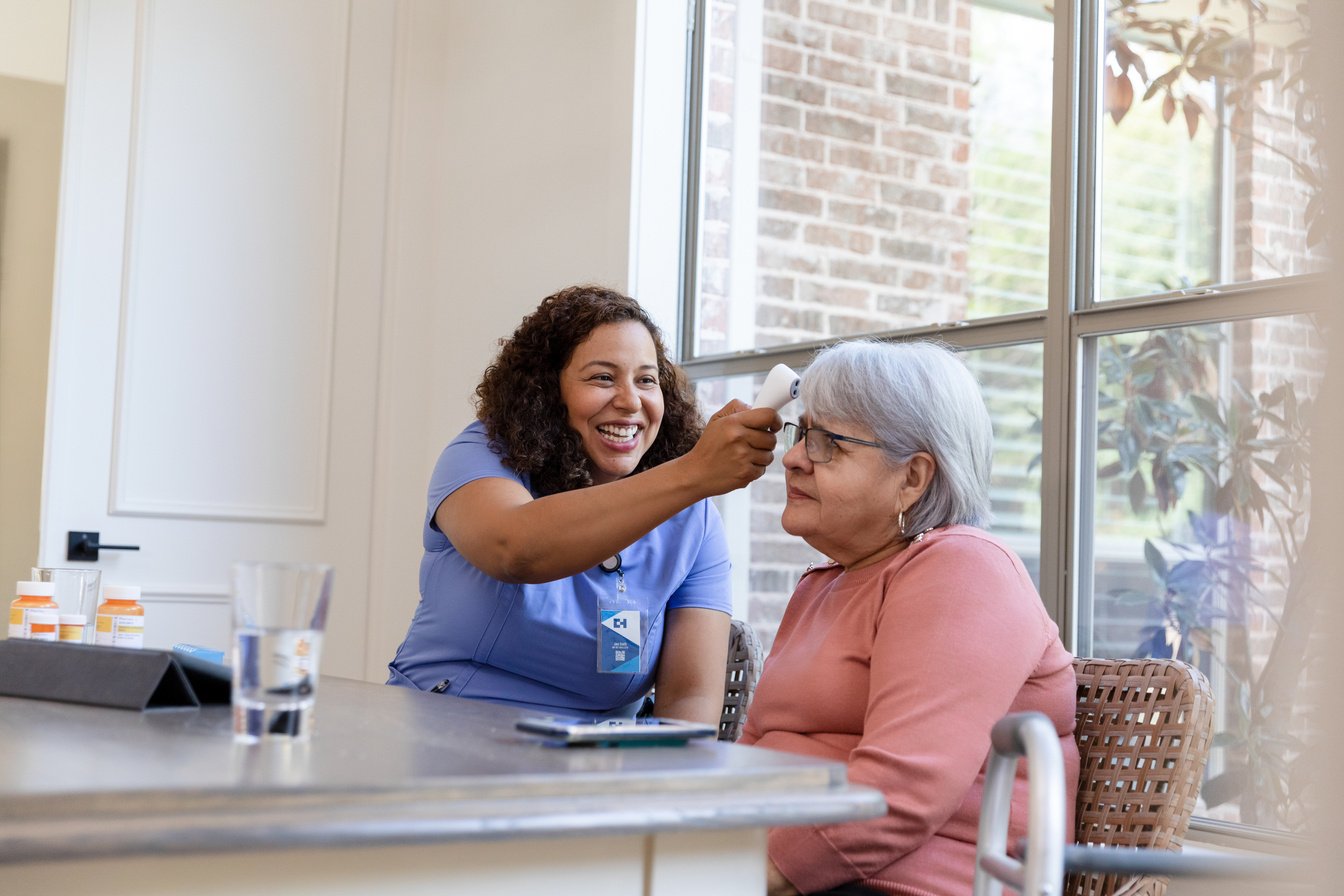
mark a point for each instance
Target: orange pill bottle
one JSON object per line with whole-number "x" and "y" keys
{"x": 72, "y": 627}
{"x": 42, "y": 624}
{"x": 120, "y": 621}
{"x": 31, "y": 596}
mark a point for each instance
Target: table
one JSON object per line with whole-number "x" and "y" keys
{"x": 398, "y": 792}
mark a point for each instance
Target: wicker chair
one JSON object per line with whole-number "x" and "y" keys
{"x": 744, "y": 668}
{"x": 1144, "y": 728}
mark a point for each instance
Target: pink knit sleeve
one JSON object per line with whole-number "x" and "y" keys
{"x": 959, "y": 631}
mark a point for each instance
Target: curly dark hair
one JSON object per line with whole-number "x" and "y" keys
{"x": 519, "y": 402}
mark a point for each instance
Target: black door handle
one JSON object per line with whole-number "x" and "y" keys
{"x": 85, "y": 546}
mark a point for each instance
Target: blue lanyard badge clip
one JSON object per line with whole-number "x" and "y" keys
{"x": 621, "y": 626}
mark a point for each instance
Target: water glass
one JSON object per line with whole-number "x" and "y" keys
{"x": 279, "y": 614}
{"x": 76, "y": 591}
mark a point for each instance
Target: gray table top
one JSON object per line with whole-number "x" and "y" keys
{"x": 386, "y": 765}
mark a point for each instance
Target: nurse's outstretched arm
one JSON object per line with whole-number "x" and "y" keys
{"x": 505, "y": 532}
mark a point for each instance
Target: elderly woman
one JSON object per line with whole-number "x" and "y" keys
{"x": 898, "y": 656}
{"x": 572, "y": 557}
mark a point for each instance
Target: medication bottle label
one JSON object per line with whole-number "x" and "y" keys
{"x": 119, "y": 631}
{"x": 17, "y": 616}
{"x": 21, "y": 624}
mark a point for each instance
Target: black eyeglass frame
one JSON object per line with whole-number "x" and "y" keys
{"x": 792, "y": 434}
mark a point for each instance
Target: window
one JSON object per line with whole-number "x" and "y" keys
{"x": 1114, "y": 211}
{"x": 1200, "y": 512}
{"x": 1215, "y": 177}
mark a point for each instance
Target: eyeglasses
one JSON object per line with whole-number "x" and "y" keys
{"x": 819, "y": 443}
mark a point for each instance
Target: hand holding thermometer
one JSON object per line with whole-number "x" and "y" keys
{"x": 780, "y": 388}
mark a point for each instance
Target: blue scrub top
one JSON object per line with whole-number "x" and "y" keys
{"x": 536, "y": 645}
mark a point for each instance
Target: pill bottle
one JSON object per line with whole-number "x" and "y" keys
{"x": 31, "y": 596}
{"x": 120, "y": 621}
{"x": 72, "y": 627}
{"x": 42, "y": 624}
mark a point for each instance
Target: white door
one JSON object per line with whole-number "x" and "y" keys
{"x": 215, "y": 325}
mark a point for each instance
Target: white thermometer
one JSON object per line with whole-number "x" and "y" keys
{"x": 780, "y": 388}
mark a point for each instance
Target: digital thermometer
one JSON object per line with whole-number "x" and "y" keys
{"x": 780, "y": 388}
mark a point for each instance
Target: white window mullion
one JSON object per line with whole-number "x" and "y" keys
{"x": 1072, "y": 277}
{"x": 746, "y": 167}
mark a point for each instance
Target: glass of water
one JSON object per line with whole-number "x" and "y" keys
{"x": 77, "y": 591}
{"x": 279, "y": 614}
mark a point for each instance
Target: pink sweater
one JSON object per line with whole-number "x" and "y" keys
{"x": 900, "y": 670}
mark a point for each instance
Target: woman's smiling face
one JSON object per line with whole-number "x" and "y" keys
{"x": 611, "y": 392}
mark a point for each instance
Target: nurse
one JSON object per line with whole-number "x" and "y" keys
{"x": 572, "y": 557}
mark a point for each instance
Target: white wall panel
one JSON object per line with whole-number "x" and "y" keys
{"x": 251, "y": 281}
{"x": 218, "y": 299}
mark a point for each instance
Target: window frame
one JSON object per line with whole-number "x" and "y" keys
{"x": 1066, "y": 329}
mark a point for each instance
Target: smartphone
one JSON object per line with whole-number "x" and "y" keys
{"x": 651, "y": 730}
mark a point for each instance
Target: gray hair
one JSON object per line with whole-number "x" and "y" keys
{"x": 914, "y": 396}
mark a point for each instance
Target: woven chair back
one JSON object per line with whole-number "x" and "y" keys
{"x": 1144, "y": 729}
{"x": 744, "y": 668}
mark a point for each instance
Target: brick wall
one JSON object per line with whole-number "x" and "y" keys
{"x": 863, "y": 185}
{"x": 863, "y": 195}
{"x": 1270, "y": 233}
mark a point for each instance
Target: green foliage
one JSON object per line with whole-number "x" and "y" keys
{"x": 1169, "y": 429}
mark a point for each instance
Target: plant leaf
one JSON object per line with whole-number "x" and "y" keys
{"x": 1273, "y": 473}
{"x": 1163, "y": 80}
{"x": 1227, "y": 787}
{"x": 1186, "y": 575}
{"x": 1156, "y": 562}
{"x": 1138, "y": 491}
{"x": 1208, "y": 409}
{"x": 1119, "y": 94}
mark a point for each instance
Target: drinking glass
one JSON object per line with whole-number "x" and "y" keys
{"x": 76, "y": 591}
{"x": 279, "y": 614}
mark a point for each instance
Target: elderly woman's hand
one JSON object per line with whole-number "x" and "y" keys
{"x": 736, "y": 447}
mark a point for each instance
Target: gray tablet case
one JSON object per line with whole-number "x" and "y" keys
{"x": 106, "y": 676}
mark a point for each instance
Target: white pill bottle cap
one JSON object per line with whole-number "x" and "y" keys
{"x": 121, "y": 592}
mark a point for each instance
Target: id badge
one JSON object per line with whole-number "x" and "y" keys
{"x": 620, "y": 629}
